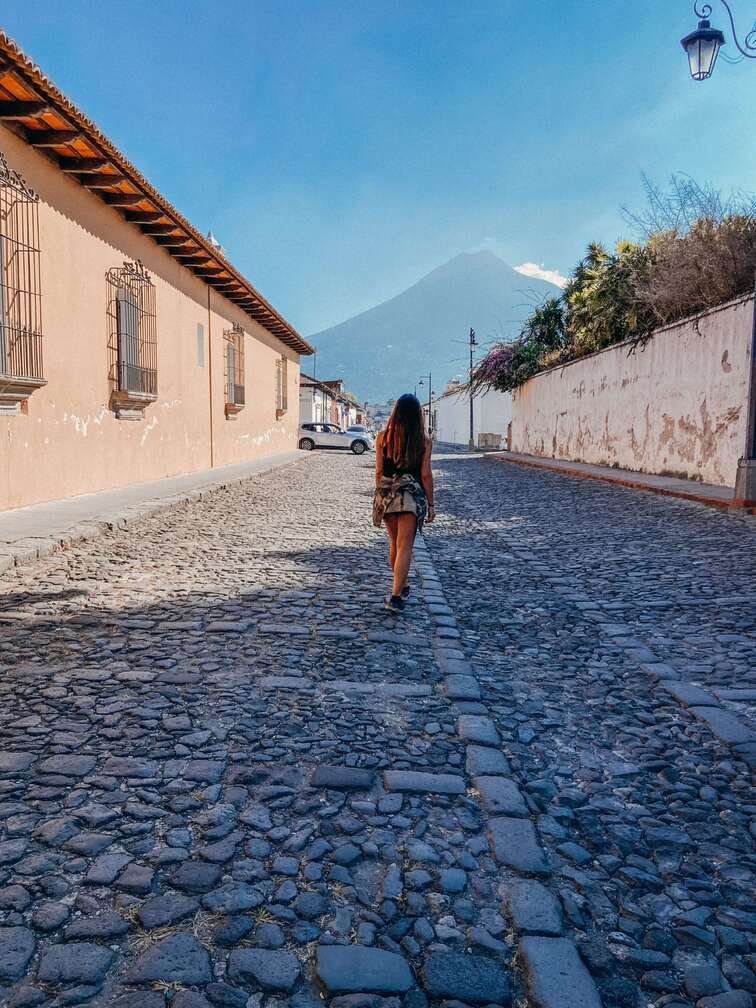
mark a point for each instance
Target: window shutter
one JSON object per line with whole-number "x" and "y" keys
{"x": 234, "y": 363}
{"x": 132, "y": 339}
{"x": 127, "y": 314}
{"x": 231, "y": 371}
{"x": 3, "y": 316}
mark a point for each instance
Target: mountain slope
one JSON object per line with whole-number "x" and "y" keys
{"x": 383, "y": 351}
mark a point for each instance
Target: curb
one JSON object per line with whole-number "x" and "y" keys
{"x": 26, "y": 551}
{"x": 568, "y": 470}
{"x": 546, "y": 957}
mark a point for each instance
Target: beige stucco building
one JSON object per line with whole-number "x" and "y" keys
{"x": 130, "y": 348}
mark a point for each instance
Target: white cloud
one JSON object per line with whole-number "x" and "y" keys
{"x": 534, "y": 270}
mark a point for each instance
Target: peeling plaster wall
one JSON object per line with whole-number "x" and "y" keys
{"x": 677, "y": 407}
{"x": 68, "y": 441}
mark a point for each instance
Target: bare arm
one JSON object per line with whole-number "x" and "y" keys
{"x": 379, "y": 458}
{"x": 426, "y": 472}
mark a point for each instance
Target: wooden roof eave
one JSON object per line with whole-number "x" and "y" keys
{"x": 48, "y": 121}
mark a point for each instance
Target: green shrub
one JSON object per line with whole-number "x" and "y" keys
{"x": 612, "y": 297}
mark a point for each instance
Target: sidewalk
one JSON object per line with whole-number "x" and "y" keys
{"x": 31, "y": 532}
{"x": 668, "y": 486}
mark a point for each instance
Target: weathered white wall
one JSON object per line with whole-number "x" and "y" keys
{"x": 314, "y": 405}
{"x": 677, "y": 407}
{"x": 492, "y": 413}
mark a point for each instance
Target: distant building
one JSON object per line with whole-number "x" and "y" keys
{"x": 492, "y": 415}
{"x": 130, "y": 347}
{"x": 380, "y": 412}
{"x": 326, "y": 402}
{"x": 336, "y": 385}
{"x": 318, "y": 403}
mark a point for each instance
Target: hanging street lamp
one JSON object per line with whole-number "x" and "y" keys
{"x": 702, "y": 45}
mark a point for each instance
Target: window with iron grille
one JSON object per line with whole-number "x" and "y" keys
{"x": 282, "y": 385}
{"x": 20, "y": 291}
{"x": 132, "y": 338}
{"x": 234, "y": 343}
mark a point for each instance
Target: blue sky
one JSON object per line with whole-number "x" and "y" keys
{"x": 340, "y": 150}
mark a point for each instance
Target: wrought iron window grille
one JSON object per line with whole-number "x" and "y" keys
{"x": 132, "y": 339}
{"x": 21, "y": 370}
{"x": 234, "y": 347}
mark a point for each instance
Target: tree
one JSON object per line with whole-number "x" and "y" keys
{"x": 698, "y": 251}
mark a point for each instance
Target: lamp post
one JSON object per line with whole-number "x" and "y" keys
{"x": 473, "y": 344}
{"x": 421, "y": 381}
{"x": 702, "y": 45}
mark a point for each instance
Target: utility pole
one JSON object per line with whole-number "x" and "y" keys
{"x": 473, "y": 344}
{"x": 421, "y": 381}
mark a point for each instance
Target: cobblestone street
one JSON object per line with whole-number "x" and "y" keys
{"x": 228, "y": 777}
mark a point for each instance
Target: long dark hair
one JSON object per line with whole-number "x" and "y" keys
{"x": 405, "y": 433}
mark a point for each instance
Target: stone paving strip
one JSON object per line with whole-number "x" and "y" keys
{"x": 707, "y": 707}
{"x": 554, "y": 974}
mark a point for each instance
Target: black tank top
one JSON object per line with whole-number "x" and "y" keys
{"x": 390, "y": 468}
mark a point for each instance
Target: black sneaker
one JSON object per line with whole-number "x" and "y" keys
{"x": 394, "y": 604}
{"x": 406, "y": 592}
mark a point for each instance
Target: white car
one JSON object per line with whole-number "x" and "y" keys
{"x": 330, "y": 435}
{"x": 363, "y": 432}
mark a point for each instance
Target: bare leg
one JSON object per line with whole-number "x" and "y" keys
{"x": 390, "y": 522}
{"x": 405, "y": 539}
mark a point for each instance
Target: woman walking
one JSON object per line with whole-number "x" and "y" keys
{"x": 403, "y": 489}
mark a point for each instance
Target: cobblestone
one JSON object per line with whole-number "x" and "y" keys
{"x": 225, "y": 770}
{"x": 613, "y": 610}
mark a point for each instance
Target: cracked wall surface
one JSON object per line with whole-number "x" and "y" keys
{"x": 675, "y": 407}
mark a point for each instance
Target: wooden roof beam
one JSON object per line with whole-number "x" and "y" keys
{"x": 100, "y": 181}
{"x": 156, "y": 229}
{"x": 79, "y": 165}
{"x": 123, "y": 199}
{"x": 144, "y": 216}
{"x": 52, "y": 138}
{"x": 173, "y": 241}
{"x": 190, "y": 259}
{"x": 23, "y": 109}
